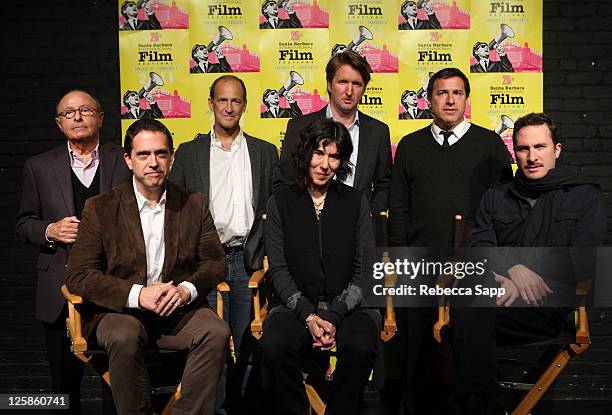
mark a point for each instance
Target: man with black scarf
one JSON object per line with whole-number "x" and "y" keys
{"x": 544, "y": 206}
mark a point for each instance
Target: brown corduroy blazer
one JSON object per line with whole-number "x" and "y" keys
{"x": 108, "y": 256}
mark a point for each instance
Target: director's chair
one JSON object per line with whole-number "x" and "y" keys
{"x": 97, "y": 357}
{"x": 558, "y": 352}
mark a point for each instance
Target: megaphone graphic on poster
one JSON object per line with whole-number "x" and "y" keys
{"x": 294, "y": 79}
{"x": 223, "y": 35}
{"x": 154, "y": 80}
{"x": 505, "y": 122}
{"x": 362, "y": 35}
{"x": 506, "y": 32}
{"x": 422, "y": 90}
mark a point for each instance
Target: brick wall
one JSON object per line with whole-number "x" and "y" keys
{"x": 49, "y": 47}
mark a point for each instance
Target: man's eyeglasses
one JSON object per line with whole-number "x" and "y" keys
{"x": 84, "y": 111}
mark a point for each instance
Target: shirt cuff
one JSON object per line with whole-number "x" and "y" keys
{"x": 132, "y": 301}
{"x": 192, "y": 290}
{"x": 47, "y": 232}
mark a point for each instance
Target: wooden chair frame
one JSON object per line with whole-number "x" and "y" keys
{"x": 80, "y": 348}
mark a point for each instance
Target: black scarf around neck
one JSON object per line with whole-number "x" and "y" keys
{"x": 536, "y": 230}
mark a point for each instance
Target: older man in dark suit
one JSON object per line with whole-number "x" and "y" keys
{"x": 146, "y": 257}
{"x": 55, "y": 187}
{"x": 348, "y": 74}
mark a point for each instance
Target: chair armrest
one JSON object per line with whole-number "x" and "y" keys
{"x": 256, "y": 283}
{"x": 71, "y": 298}
{"x": 256, "y": 279}
{"x": 389, "y": 323}
{"x": 223, "y": 287}
{"x": 74, "y": 324}
{"x": 441, "y": 325}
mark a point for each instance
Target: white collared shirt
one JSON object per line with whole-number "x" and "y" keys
{"x": 203, "y": 66}
{"x": 273, "y": 22}
{"x": 133, "y": 22}
{"x": 458, "y": 132}
{"x": 152, "y": 223}
{"x": 84, "y": 172}
{"x": 484, "y": 63}
{"x": 274, "y": 110}
{"x": 231, "y": 189}
{"x": 135, "y": 112}
{"x": 354, "y": 132}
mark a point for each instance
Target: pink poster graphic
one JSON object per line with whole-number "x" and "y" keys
{"x": 500, "y": 55}
{"x": 413, "y": 105}
{"x": 291, "y": 100}
{"x": 432, "y": 16}
{"x": 291, "y": 14}
{"x": 380, "y": 60}
{"x": 158, "y": 104}
{"x": 227, "y": 58}
{"x": 152, "y": 15}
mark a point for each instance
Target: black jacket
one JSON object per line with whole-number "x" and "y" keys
{"x": 579, "y": 222}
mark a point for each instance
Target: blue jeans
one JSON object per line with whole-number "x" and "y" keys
{"x": 236, "y": 312}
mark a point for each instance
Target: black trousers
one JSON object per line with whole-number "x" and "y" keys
{"x": 66, "y": 369}
{"x": 476, "y": 331}
{"x": 284, "y": 341}
{"x": 422, "y": 390}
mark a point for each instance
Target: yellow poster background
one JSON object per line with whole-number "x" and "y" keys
{"x": 402, "y": 59}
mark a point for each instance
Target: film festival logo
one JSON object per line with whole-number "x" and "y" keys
{"x": 161, "y": 104}
{"x": 292, "y": 14}
{"x": 201, "y": 55}
{"x": 152, "y": 15}
{"x": 414, "y": 105}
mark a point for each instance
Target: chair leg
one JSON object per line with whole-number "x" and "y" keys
{"x": 175, "y": 397}
{"x": 544, "y": 382}
{"x": 315, "y": 401}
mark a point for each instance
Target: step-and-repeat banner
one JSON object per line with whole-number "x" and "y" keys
{"x": 172, "y": 50}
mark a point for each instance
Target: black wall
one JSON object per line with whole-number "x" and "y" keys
{"x": 49, "y": 47}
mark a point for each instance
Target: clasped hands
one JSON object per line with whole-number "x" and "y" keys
{"x": 163, "y": 298}
{"x": 323, "y": 333}
{"x": 523, "y": 282}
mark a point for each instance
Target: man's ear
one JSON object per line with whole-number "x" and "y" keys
{"x": 128, "y": 160}
{"x": 59, "y": 124}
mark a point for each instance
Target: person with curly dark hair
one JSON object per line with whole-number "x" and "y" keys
{"x": 316, "y": 234}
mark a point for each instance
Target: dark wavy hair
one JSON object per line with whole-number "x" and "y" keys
{"x": 445, "y": 74}
{"x": 145, "y": 124}
{"x": 322, "y": 131}
{"x": 535, "y": 119}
